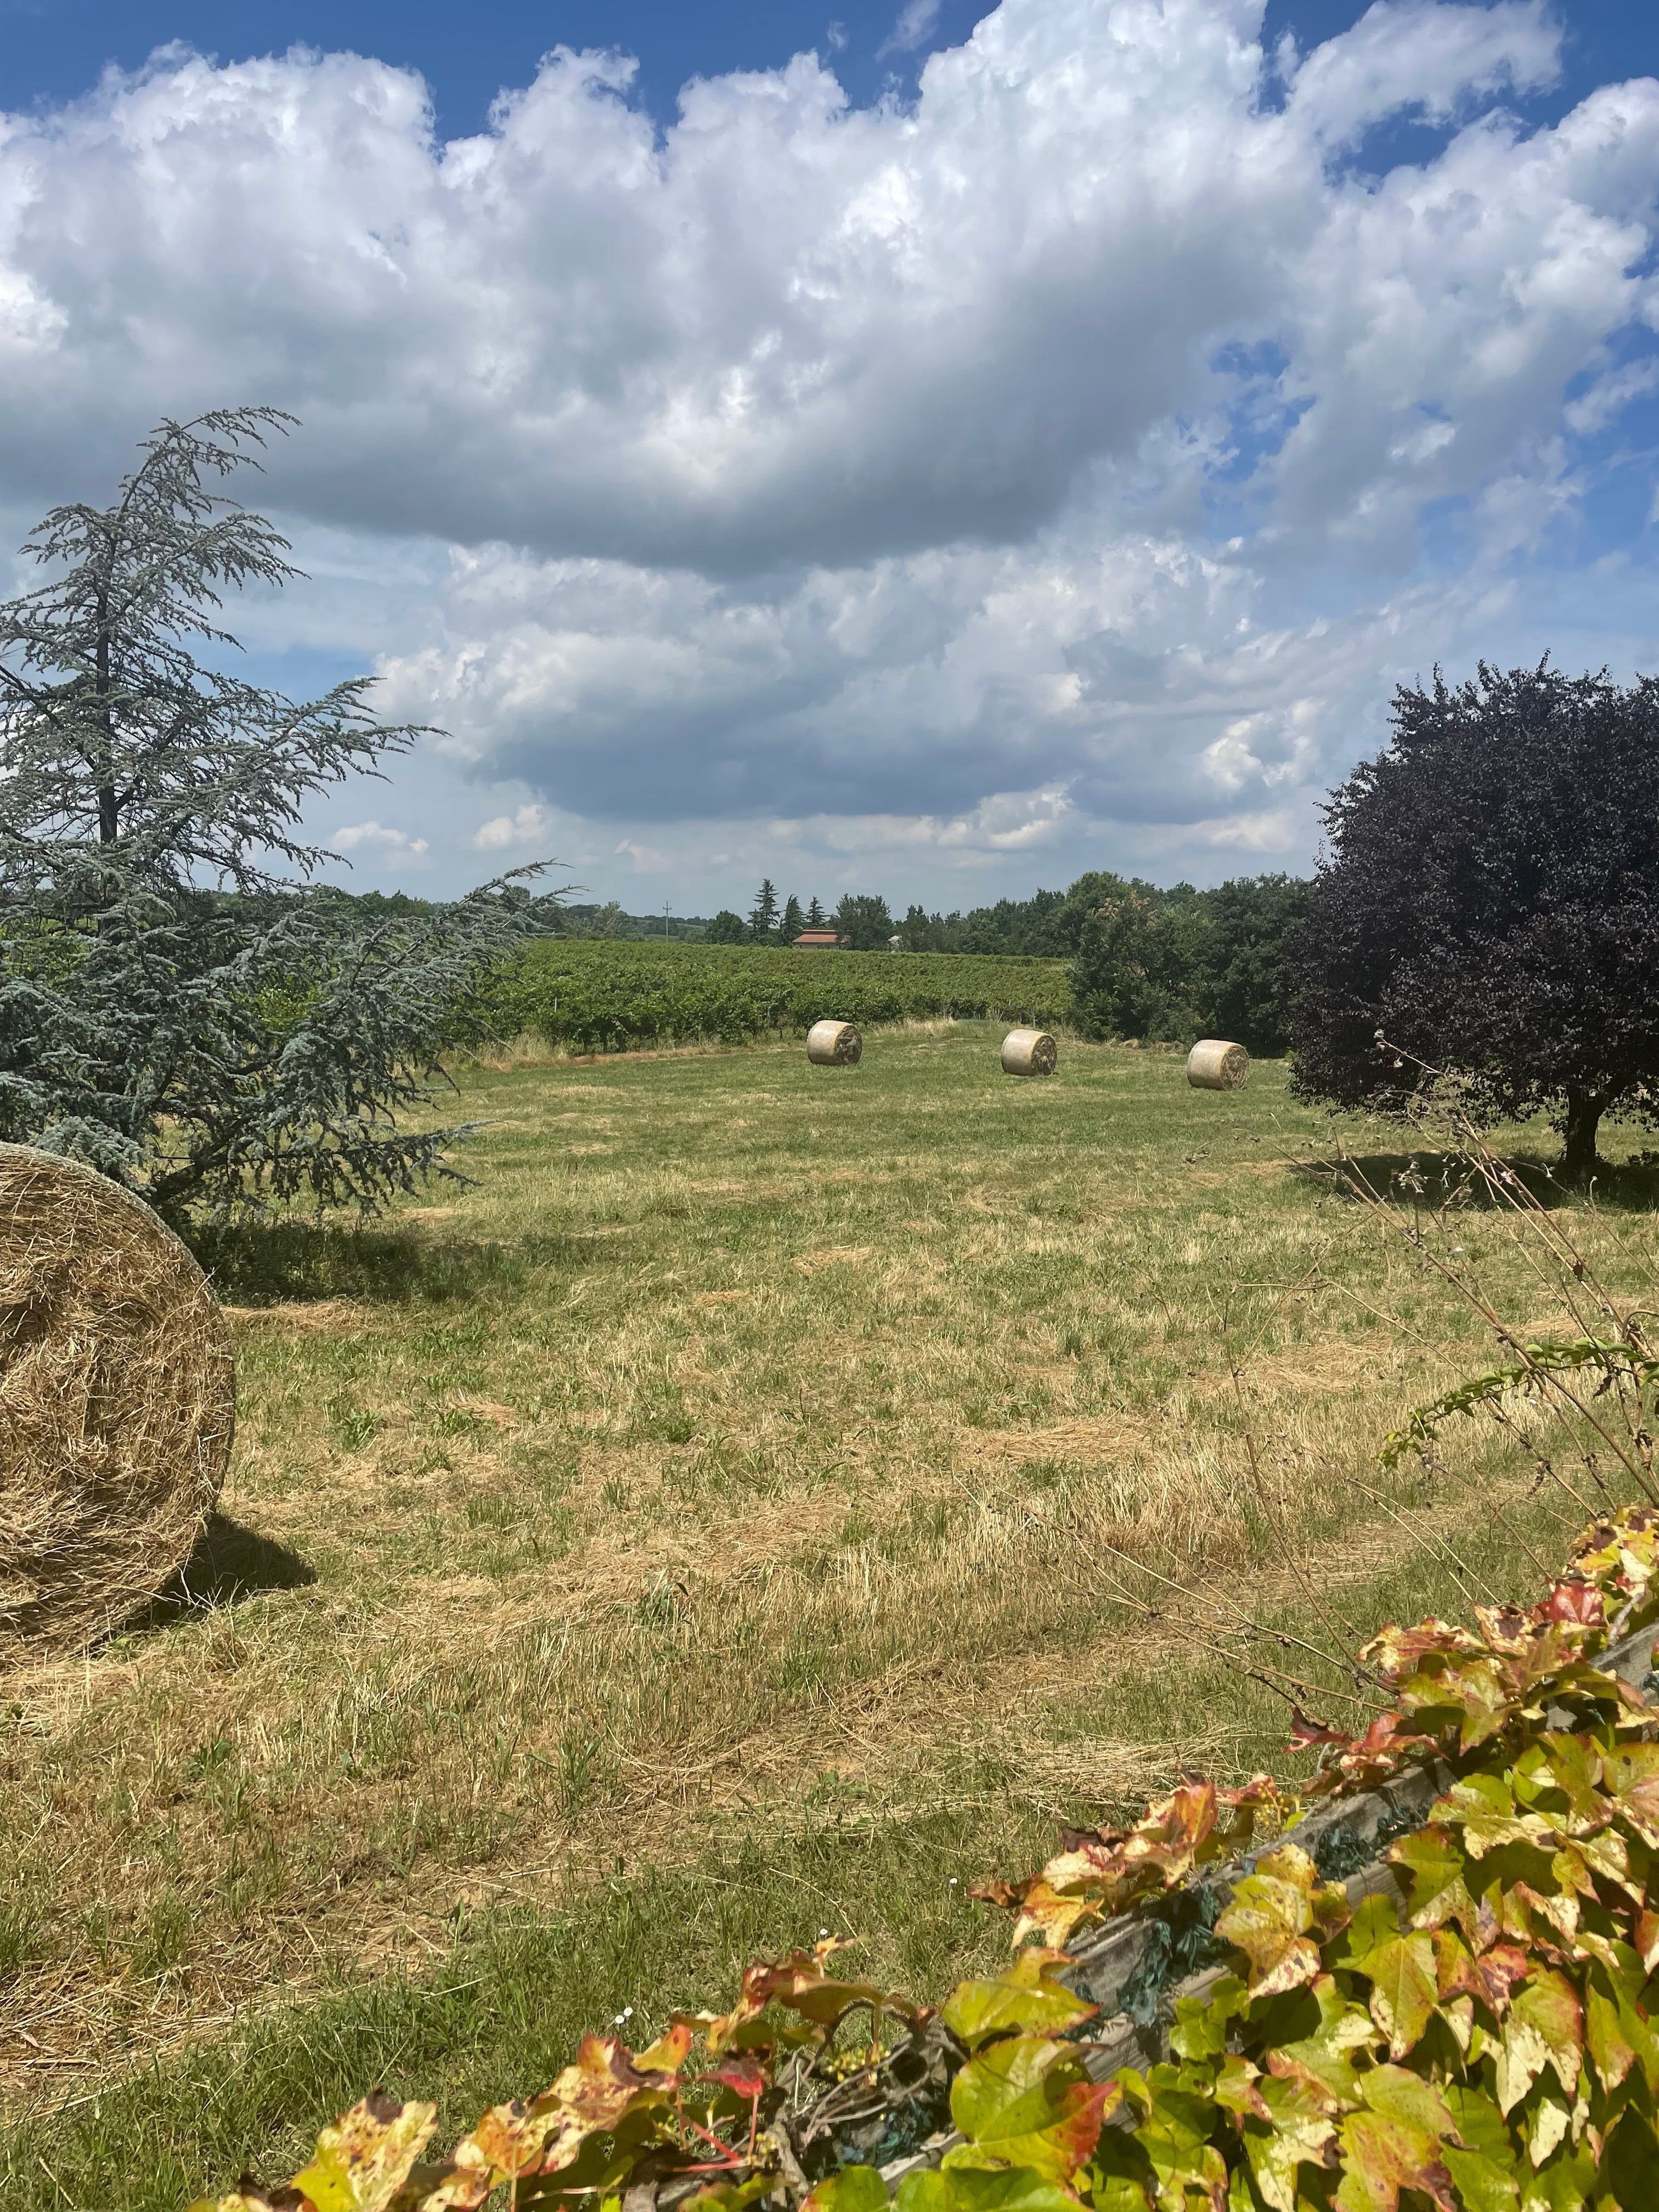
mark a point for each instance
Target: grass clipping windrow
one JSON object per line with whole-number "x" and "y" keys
{"x": 117, "y": 1404}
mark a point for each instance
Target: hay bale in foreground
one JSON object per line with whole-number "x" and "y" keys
{"x": 1029, "y": 1052}
{"x": 833, "y": 1044}
{"x": 1214, "y": 1065}
{"x": 117, "y": 1403}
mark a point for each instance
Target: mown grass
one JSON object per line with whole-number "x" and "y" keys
{"x": 713, "y": 1525}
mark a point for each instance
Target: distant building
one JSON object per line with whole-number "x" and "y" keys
{"x": 818, "y": 940}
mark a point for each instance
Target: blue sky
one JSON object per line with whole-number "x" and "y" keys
{"x": 939, "y": 450}
{"x": 53, "y": 49}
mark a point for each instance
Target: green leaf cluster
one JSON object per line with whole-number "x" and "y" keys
{"x": 1610, "y": 1364}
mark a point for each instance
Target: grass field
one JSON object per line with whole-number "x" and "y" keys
{"x": 710, "y": 1527}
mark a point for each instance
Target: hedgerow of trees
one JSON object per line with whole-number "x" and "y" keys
{"x": 1489, "y": 910}
{"x": 178, "y": 1007}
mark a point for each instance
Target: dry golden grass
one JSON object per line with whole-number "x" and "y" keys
{"x": 752, "y": 1444}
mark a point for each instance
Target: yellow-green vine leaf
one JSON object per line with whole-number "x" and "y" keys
{"x": 1395, "y": 2144}
{"x": 979, "y": 2189}
{"x": 1550, "y": 2119}
{"x": 365, "y": 2158}
{"x": 1176, "y": 2137}
{"x": 1568, "y": 1766}
{"x": 1490, "y": 1975}
{"x": 1270, "y": 1914}
{"x": 1235, "y": 2087}
{"x": 1200, "y": 2023}
{"x": 1483, "y": 1806}
{"x": 1544, "y": 2027}
{"x": 1630, "y": 1776}
{"x": 1298, "y": 2133}
{"x": 1436, "y": 1865}
{"x": 1326, "y": 2055}
{"x": 1027, "y": 2102}
{"x": 1612, "y": 2053}
{"x": 1477, "y": 1691}
{"x": 1400, "y": 1969}
{"x": 853, "y": 2189}
{"x": 1482, "y": 2162}
{"x": 1026, "y": 1999}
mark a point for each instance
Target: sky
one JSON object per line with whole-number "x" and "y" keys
{"x": 912, "y": 448}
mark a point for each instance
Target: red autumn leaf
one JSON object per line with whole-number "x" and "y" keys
{"x": 1573, "y": 1599}
{"x": 740, "y": 2073}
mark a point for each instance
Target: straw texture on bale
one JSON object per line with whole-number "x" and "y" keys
{"x": 1029, "y": 1052}
{"x": 1214, "y": 1065}
{"x": 117, "y": 1404}
{"x": 833, "y": 1044}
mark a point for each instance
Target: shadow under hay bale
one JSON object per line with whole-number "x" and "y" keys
{"x": 230, "y": 1562}
{"x": 117, "y": 1403}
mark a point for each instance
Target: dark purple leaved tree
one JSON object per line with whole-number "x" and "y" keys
{"x": 1490, "y": 904}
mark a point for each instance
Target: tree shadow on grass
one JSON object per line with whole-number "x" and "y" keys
{"x": 269, "y": 1262}
{"x": 1432, "y": 1179}
{"x": 230, "y": 1562}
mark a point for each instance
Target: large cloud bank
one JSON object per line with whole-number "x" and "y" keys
{"x": 1058, "y": 470}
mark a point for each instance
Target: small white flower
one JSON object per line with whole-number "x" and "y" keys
{"x": 953, "y": 1881}
{"x": 822, "y": 1932}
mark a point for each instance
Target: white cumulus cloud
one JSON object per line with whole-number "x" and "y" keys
{"x": 376, "y": 837}
{"x": 1060, "y": 467}
{"x": 529, "y": 824}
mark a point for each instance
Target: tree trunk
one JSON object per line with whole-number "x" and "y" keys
{"x": 1584, "y": 1112}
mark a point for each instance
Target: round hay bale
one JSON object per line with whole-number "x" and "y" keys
{"x": 1029, "y": 1052}
{"x": 117, "y": 1404}
{"x": 833, "y": 1044}
{"x": 1214, "y": 1065}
